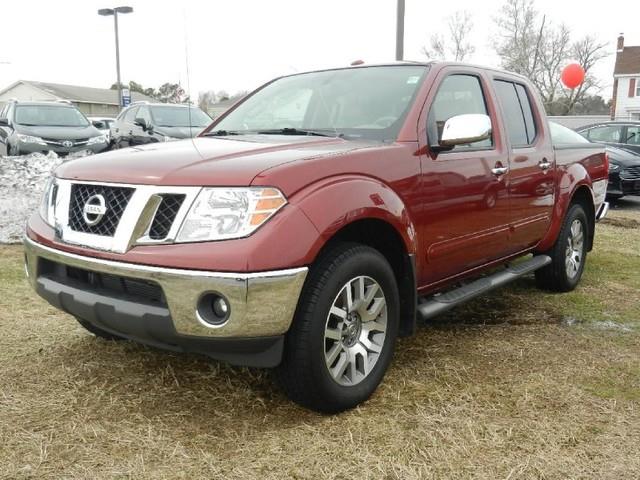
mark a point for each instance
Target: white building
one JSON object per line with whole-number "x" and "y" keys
{"x": 626, "y": 83}
{"x": 90, "y": 101}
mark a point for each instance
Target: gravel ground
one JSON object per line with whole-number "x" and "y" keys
{"x": 21, "y": 182}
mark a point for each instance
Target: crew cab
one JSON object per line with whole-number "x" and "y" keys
{"x": 319, "y": 218}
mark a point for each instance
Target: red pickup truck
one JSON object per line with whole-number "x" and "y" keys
{"x": 318, "y": 219}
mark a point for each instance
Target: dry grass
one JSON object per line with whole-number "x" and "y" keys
{"x": 519, "y": 384}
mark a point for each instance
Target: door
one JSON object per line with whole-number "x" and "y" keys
{"x": 465, "y": 216}
{"x": 5, "y": 131}
{"x": 125, "y": 129}
{"x": 531, "y": 176}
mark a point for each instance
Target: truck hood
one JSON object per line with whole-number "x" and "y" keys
{"x": 203, "y": 161}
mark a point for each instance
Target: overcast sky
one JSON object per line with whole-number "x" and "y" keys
{"x": 239, "y": 44}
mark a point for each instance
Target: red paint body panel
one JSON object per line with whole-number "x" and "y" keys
{"x": 450, "y": 210}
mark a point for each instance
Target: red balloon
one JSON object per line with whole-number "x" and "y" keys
{"x": 572, "y": 75}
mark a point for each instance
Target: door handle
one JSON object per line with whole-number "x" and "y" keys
{"x": 497, "y": 171}
{"x": 545, "y": 164}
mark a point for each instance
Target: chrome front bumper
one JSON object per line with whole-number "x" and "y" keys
{"x": 261, "y": 304}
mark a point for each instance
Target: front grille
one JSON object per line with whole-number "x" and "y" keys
{"x": 136, "y": 290}
{"x": 116, "y": 200}
{"x": 630, "y": 173}
{"x": 165, "y": 215}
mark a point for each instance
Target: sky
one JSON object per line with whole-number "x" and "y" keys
{"x": 240, "y": 44}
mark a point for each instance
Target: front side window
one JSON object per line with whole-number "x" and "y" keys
{"x": 171, "y": 116}
{"x": 606, "y": 133}
{"x": 143, "y": 113}
{"x": 457, "y": 95}
{"x": 49, "y": 116}
{"x": 632, "y": 135}
{"x": 130, "y": 116}
{"x": 364, "y": 102}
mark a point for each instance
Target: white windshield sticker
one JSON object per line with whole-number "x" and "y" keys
{"x": 413, "y": 79}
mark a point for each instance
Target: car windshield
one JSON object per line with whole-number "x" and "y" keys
{"x": 49, "y": 116}
{"x": 364, "y": 102}
{"x": 562, "y": 134}
{"x": 179, "y": 117}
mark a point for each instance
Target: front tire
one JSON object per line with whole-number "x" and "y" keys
{"x": 568, "y": 255}
{"x": 341, "y": 342}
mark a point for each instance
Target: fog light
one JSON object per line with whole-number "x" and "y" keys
{"x": 213, "y": 309}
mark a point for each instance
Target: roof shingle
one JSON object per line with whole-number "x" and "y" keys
{"x": 627, "y": 61}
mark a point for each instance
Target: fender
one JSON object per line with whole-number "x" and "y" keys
{"x": 336, "y": 202}
{"x": 569, "y": 179}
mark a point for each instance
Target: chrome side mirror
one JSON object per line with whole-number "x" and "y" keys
{"x": 467, "y": 128}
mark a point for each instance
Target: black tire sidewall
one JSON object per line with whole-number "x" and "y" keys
{"x": 576, "y": 212}
{"x": 368, "y": 262}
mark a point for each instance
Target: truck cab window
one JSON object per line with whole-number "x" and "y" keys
{"x": 457, "y": 95}
{"x": 513, "y": 114}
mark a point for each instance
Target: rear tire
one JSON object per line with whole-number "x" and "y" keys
{"x": 342, "y": 338}
{"x": 98, "y": 332}
{"x": 568, "y": 254}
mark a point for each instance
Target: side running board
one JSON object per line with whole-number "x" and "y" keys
{"x": 440, "y": 303}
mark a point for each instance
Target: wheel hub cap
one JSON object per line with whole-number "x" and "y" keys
{"x": 355, "y": 330}
{"x": 574, "y": 252}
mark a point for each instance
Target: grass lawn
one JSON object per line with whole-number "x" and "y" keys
{"x": 518, "y": 384}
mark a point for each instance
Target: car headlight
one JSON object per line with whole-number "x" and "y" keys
{"x": 222, "y": 213}
{"x": 166, "y": 138}
{"x": 97, "y": 140}
{"x": 613, "y": 166}
{"x": 48, "y": 202}
{"x": 29, "y": 139}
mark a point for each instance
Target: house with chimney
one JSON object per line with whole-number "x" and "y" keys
{"x": 626, "y": 83}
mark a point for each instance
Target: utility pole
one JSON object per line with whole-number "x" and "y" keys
{"x": 400, "y": 31}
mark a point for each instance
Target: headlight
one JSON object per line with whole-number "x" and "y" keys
{"x": 223, "y": 213}
{"x": 169, "y": 139}
{"x": 613, "y": 167}
{"x": 48, "y": 202}
{"x": 97, "y": 140}
{"x": 29, "y": 139}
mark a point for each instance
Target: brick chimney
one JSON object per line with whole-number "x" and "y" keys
{"x": 620, "y": 42}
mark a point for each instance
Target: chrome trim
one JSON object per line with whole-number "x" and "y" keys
{"x": 130, "y": 230}
{"x": 261, "y": 303}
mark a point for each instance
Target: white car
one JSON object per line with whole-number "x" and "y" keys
{"x": 103, "y": 124}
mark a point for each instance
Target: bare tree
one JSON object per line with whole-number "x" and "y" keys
{"x": 457, "y": 47}
{"x": 206, "y": 99}
{"x": 537, "y": 49}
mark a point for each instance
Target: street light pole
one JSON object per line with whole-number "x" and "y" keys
{"x": 105, "y": 12}
{"x": 115, "y": 26}
{"x": 400, "y": 31}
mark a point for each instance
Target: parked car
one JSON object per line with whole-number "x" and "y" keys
{"x": 30, "y": 127}
{"x": 624, "y": 165}
{"x": 144, "y": 122}
{"x": 103, "y": 124}
{"x": 317, "y": 220}
{"x": 616, "y": 134}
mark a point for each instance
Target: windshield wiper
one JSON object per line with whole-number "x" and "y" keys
{"x": 297, "y": 131}
{"x": 221, "y": 133}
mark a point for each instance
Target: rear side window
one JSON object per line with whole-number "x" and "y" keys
{"x": 525, "y": 103}
{"x": 514, "y": 117}
{"x": 457, "y": 95}
{"x": 606, "y": 133}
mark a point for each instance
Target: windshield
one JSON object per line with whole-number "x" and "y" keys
{"x": 49, "y": 116}
{"x": 179, "y": 117}
{"x": 562, "y": 134}
{"x": 366, "y": 102}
